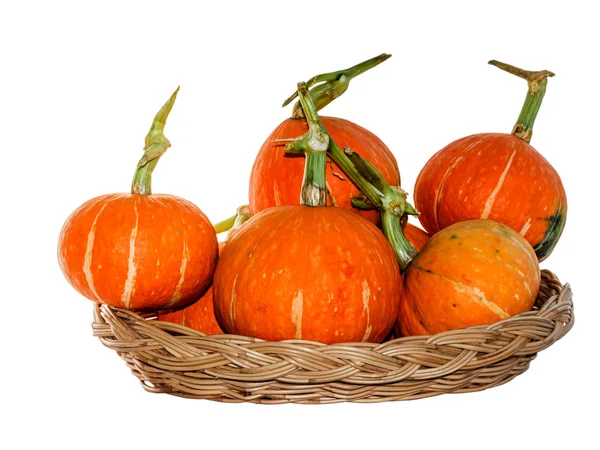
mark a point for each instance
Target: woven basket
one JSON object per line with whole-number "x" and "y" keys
{"x": 177, "y": 360}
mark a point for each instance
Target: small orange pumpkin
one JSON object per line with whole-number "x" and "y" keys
{"x": 276, "y": 177}
{"x": 140, "y": 251}
{"x": 200, "y": 315}
{"x": 316, "y": 273}
{"x": 497, "y": 176}
{"x": 417, "y": 237}
{"x": 471, "y": 273}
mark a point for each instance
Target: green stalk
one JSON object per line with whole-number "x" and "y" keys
{"x": 333, "y": 85}
{"x": 536, "y": 82}
{"x": 156, "y": 144}
{"x": 234, "y": 222}
{"x": 314, "y": 145}
{"x": 225, "y": 225}
{"x": 390, "y": 201}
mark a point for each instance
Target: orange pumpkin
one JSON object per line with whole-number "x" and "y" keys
{"x": 140, "y": 251}
{"x": 200, "y": 315}
{"x": 471, "y": 273}
{"x": 417, "y": 237}
{"x": 299, "y": 272}
{"x": 276, "y": 178}
{"x": 499, "y": 177}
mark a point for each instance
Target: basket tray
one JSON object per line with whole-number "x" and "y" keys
{"x": 172, "y": 359}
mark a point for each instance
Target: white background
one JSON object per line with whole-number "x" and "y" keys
{"x": 79, "y": 85}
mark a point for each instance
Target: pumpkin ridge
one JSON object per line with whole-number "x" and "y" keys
{"x": 475, "y": 293}
{"x": 87, "y": 261}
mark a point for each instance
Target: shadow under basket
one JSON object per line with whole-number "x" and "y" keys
{"x": 177, "y": 360}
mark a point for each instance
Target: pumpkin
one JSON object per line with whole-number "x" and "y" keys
{"x": 308, "y": 271}
{"x": 317, "y": 273}
{"x": 497, "y": 176}
{"x": 200, "y": 315}
{"x": 471, "y": 273}
{"x": 417, "y": 237}
{"x": 276, "y": 178}
{"x": 140, "y": 250}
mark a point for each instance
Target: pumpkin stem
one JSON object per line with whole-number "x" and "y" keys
{"x": 225, "y": 225}
{"x": 156, "y": 144}
{"x": 314, "y": 145}
{"x": 393, "y": 209}
{"x": 241, "y": 216}
{"x": 390, "y": 201}
{"x": 234, "y": 222}
{"x": 333, "y": 85}
{"x": 536, "y": 82}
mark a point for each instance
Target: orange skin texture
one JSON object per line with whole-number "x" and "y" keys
{"x": 297, "y": 272}
{"x": 199, "y": 315}
{"x": 276, "y": 178}
{"x": 471, "y": 273}
{"x": 142, "y": 252}
{"x": 492, "y": 176}
{"x": 417, "y": 237}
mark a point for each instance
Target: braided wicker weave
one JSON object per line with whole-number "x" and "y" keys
{"x": 173, "y": 359}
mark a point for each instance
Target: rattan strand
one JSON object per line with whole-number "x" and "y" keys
{"x": 177, "y": 360}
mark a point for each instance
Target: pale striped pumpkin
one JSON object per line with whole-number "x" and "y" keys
{"x": 143, "y": 252}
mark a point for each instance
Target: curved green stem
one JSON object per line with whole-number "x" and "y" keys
{"x": 333, "y": 85}
{"x": 536, "y": 82}
{"x": 156, "y": 144}
{"x": 224, "y": 225}
{"x": 390, "y": 201}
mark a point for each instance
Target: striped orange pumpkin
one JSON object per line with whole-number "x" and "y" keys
{"x": 417, "y": 237}
{"x": 139, "y": 250}
{"x": 493, "y": 176}
{"x": 316, "y": 273}
{"x": 471, "y": 273}
{"x": 200, "y": 315}
{"x": 276, "y": 178}
{"x": 497, "y": 176}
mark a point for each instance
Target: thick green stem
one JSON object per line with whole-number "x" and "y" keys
{"x": 156, "y": 144}
{"x": 536, "y": 82}
{"x": 314, "y": 186}
{"x": 314, "y": 145}
{"x": 333, "y": 85}
{"x": 390, "y": 201}
{"x": 393, "y": 231}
